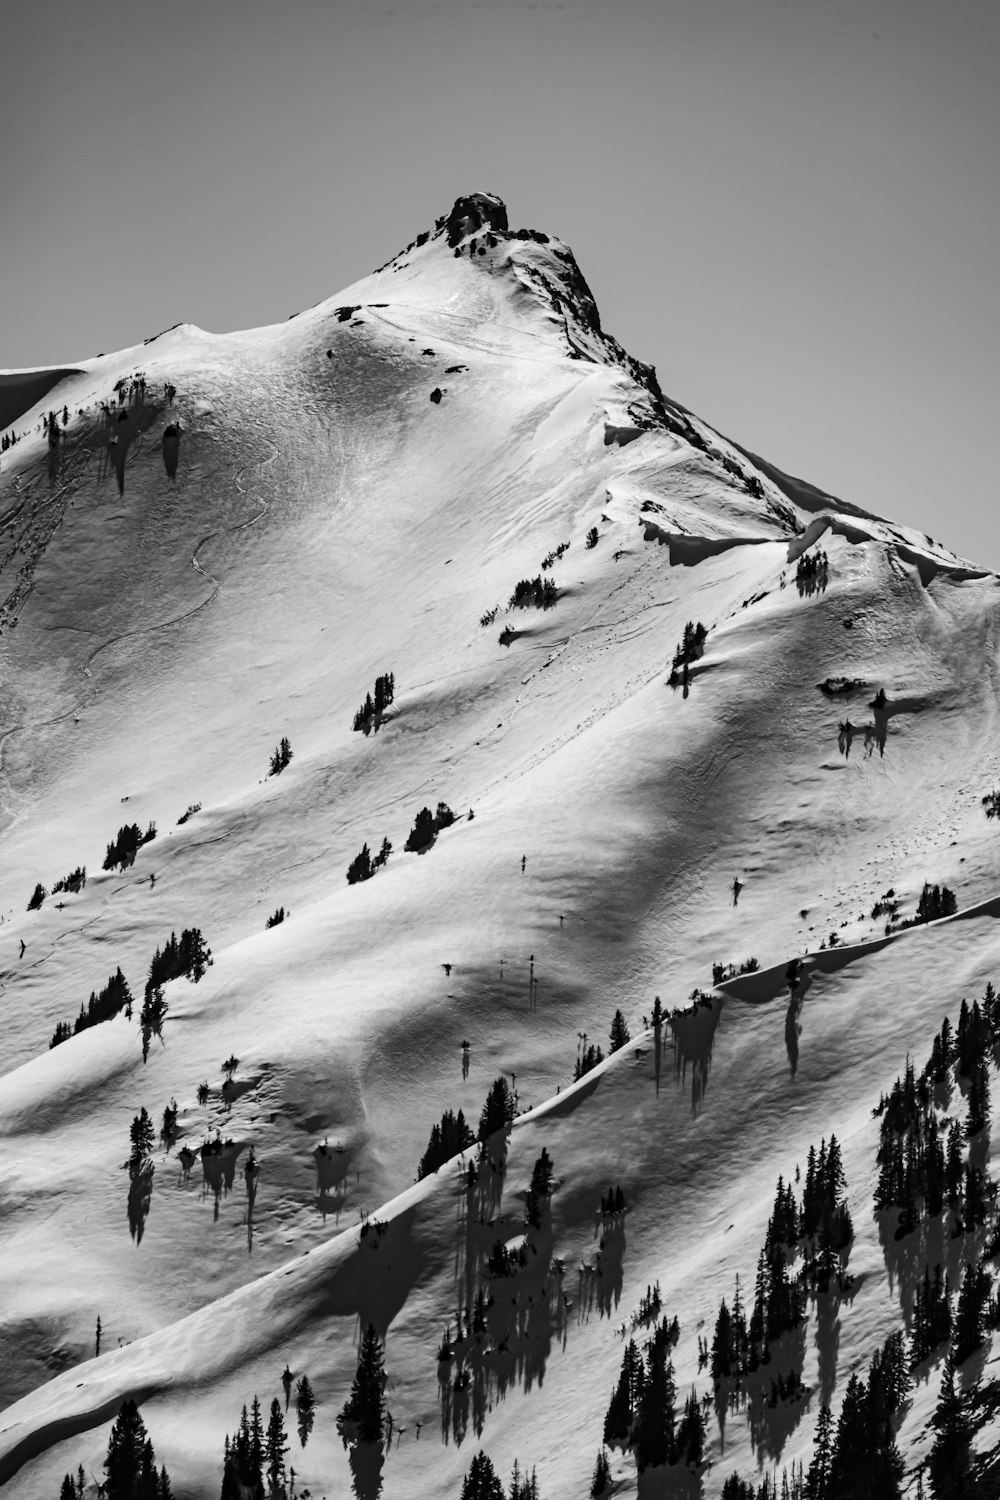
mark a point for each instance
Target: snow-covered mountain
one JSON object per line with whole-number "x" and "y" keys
{"x": 209, "y": 544}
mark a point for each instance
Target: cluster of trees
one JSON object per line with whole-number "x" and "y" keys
{"x": 189, "y": 812}
{"x": 130, "y": 1467}
{"x": 533, "y": 593}
{"x": 649, "y": 1307}
{"x": 587, "y": 1057}
{"x": 281, "y": 756}
{"x": 642, "y": 1414}
{"x": 253, "y": 1453}
{"x": 483, "y": 1483}
{"x": 427, "y": 826}
{"x": 612, "y": 1204}
{"x": 921, "y": 1169}
{"x": 887, "y": 905}
{"x": 363, "y": 866}
{"x": 935, "y": 901}
{"x": 126, "y": 846}
{"x": 733, "y": 971}
{"x": 374, "y": 707}
{"x": 74, "y": 882}
{"x": 812, "y": 572}
{"x": 187, "y": 956}
{"x": 448, "y": 1139}
{"x": 277, "y": 919}
{"x": 858, "y": 1456}
{"x": 691, "y": 648}
{"x": 593, "y": 538}
{"x": 991, "y": 804}
{"x": 114, "y": 997}
{"x": 821, "y": 1229}
{"x": 554, "y": 556}
{"x": 37, "y": 896}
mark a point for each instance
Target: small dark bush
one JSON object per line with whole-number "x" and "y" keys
{"x": 194, "y": 807}
{"x": 436, "y": 396}
{"x": 37, "y": 897}
{"x": 593, "y": 538}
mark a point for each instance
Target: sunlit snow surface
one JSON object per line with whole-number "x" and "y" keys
{"x": 329, "y": 522}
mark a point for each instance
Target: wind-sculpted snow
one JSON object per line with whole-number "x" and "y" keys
{"x": 292, "y": 519}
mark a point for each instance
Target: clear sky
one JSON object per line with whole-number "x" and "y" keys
{"x": 790, "y": 207}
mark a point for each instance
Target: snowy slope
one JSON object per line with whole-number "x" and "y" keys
{"x": 328, "y": 521}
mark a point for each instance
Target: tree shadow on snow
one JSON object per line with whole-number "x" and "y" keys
{"x": 522, "y": 1313}
{"x": 333, "y": 1164}
{"x": 670, "y": 1482}
{"x": 694, "y": 1036}
{"x": 366, "y": 1460}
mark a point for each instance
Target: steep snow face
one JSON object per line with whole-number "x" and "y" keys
{"x": 228, "y": 541}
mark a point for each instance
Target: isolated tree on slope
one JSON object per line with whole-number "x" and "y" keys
{"x": 362, "y": 1418}
{"x": 619, "y": 1032}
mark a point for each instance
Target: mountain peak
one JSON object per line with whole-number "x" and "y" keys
{"x": 471, "y": 214}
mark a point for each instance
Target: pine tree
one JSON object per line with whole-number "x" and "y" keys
{"x": 305, "y": 1407}
{"x": 602, "y": 1476}
{"x": 948, "y": 1463}
{"x": 972, "y": 1298}
{"x": 362, "y": 1418}
{"x": 619, "y": 1032}
{"x": 142, "y": 1136}
{"x": 129, "y": 1451}
{"x": 481, "y": 1482}
{"x": 256, "y": 1438}
{"x": 654, "y": 1428}
{"x": 538, "y": 1192}
{"x": 498, "y": 1111}
{"x": 275, "y": 1448}
{"x": 817, "y": 1485}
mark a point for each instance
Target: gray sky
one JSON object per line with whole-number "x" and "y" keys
{"x": 789, "y": 206}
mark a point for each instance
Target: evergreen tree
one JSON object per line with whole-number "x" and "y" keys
{"x": 275, "y": 1448}
{"x": 969, "y": 1314}
{"x": 619, "y": 1032}
{"x": 654, "y": 1429}
{"x": 498, "y": 1111}
{"x": 948, "y": 1463}
{"x": 817, "y": 1485}
{"x": 362, "y": 1418}
{"x": 447, "y": 1140}
{"x": 305, "y": 1407}
{"x": 423, "y": 832}
{"x": 541, "y": 1187}
{"x": 481, "y": 1482}
{"x": 602, "y": 1476}
{"x": 624, "y": 1399}
{"x": 129, "y": 1466}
